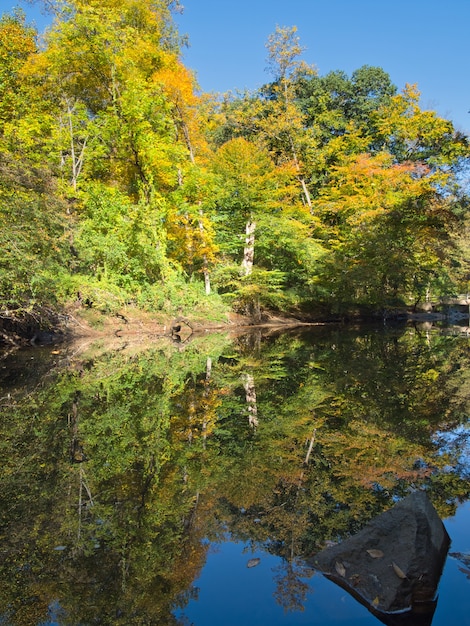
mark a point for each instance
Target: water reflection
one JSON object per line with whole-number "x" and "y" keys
{"x": 121, "y": 470}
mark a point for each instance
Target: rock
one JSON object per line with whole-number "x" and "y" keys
{"x": 393, "y": 565}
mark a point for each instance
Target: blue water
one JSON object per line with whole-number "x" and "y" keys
{"x": 231, "y": 594}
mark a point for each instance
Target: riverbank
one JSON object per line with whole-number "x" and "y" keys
{"x": 78, "y": 323}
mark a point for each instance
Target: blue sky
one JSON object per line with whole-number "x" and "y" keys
{"x": 423, "y": 42}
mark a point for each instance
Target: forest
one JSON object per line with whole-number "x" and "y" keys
{"x": 123, "y": 185}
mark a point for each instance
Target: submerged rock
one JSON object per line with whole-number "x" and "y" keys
{"x": 393, "y": 565}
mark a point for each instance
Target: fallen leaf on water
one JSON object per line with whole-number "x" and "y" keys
{"x": 375, "y": 554}
{"x": 399, "y": 572}
{"x": 339, "y": 567}
{"x": 253, "y": 562}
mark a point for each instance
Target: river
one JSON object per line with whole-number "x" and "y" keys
{"x": 189, "y": 483}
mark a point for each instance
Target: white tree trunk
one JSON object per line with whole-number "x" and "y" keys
{"x": 205, "y": 264}
{"x": 249, "y": 250}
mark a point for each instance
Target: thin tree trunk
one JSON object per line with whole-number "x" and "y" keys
{"x": 206, "y": 388}
{"x": 300, "y": 178}
{"x": 205, "y": 264}
{"x": 310, "y": 447}
{"x": 249, "y": 250}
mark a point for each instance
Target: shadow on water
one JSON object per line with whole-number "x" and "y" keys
{"x": 122, "y": 473}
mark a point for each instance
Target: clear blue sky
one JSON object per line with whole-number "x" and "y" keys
{"x": 424, "y": 42}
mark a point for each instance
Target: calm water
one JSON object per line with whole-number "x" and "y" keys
{"x": 187, "y": 483}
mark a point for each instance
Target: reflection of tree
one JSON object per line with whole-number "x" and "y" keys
{"x": 345, "y": 422}
{"x": 114, "y": 535}
{"x": 291, "y": 591}
{"x": 326, "y": 473}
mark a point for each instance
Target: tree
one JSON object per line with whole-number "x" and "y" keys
{"x": 105, "y": 59}
{"x": 33, "y": 237}
{"x": 334, "y": 101}
{"x": 191, "y": 234}
{"x": 271, "y": 118}
{"x": 17, "y": 44}
{"x": 121, "y": 109}
{"x": 411, "y": 134}
{"x": 388, "y": 226}
{"x": 195, "y": 239}
{"x": 251, "y": 190}
{"x": 284, "y": 49}
{"x": 248, "y": 184}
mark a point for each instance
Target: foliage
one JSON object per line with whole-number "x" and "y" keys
{"x": 328, "y": 192}
{"x": 388, "y": 230}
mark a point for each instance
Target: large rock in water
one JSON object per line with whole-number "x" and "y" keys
{"x": 393, "y": 565}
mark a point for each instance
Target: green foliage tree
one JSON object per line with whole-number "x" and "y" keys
{"x": 253, "y": 197}
{"x": 34, "y": 232}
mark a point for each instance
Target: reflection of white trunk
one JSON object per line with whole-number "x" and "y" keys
{"x": 307, "y": 459}
{"x": 310, "y": 447}
{"x": 207, "y": 381}
{"x": 82, "y": 486}
{"x": 250, "y": 395}
{"x": 249, "y": 250}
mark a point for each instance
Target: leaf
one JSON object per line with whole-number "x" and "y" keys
{"x": 399, "y": 572}
{"x": 339, "y": 567}
{"x": 375, "y": 554}
{"x": 253, "y": 562}
{"x": 375, "y": 601}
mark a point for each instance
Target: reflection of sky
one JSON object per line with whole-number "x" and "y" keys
{"x": 231, "y": 594}
{"x": 454, "y": 590}
{"x": 456, "y": 443}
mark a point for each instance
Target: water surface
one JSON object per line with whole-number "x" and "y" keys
{"x": 137, "y": 485}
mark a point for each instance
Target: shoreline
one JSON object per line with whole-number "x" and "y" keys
{"x": 77, "y": 324}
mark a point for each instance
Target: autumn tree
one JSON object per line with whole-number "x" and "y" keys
{"x": 33, "y": 236}
{"x": 124, "y": 120}
{"x": 388, "y": 228}
{"x": 17, "y": 44}
{"x": 271, "y": 117}
{"x": 247, "y": 189}
{"x": 252, "y": 193}
{"x": 190, "y": 231}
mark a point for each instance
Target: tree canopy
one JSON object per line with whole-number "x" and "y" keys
{"x": 124, "y": 183}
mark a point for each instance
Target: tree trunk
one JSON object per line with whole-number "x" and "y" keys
{"x": 77, "y": 150}
{"x": 205, "y": 264}
{"x": 300, "y": 178}
{"x": 249, "y": 250}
